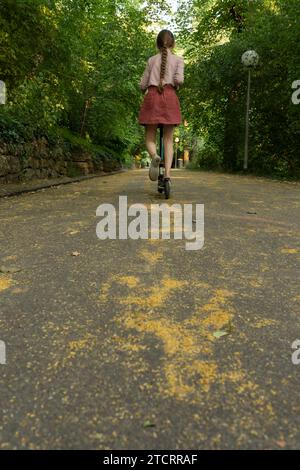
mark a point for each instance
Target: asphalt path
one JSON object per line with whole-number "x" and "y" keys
{"x": 141, "y": 344}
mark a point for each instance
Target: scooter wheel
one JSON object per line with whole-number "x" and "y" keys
{"x": 167, "y": 189}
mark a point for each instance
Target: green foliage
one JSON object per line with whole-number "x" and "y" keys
{"x": 216, "y": 33}
{"x": 75, "y": 65}
{"x": 72, "y": 70}
{"x": 76, "y": 143}
{"x": 10, "y": 129}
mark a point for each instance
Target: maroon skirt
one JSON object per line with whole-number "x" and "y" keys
{"x": 160, "y": 108}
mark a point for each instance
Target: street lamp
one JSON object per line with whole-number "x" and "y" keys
{"x": 250, "y": 59}
{"x": 177, "y": 140}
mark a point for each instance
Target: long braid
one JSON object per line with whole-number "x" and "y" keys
{"x": 164, "y": 58}
{"x": 165, "y": 41}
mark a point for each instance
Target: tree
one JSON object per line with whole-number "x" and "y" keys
{"x": 216, "y": 35}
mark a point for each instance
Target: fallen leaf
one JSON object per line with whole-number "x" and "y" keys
{"x": 9, "y": 269}
{"x": 219, "y": 334}
{"x": 281, "y": 443}
{"x": 75, "y": 253}
{"x": 148, "y": 424}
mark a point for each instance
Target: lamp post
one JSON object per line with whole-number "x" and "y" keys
{"x": 186, "y": 152}
{"x": 177, "y": 140}
{"x": 249, "y": 59}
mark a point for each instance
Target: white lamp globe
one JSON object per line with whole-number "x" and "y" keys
{"x": 250, "y": 58}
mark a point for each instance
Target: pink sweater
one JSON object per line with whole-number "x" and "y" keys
{"x": 174, "y": 71}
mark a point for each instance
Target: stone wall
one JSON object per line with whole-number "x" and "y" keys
{"x": 37, "y": 160}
